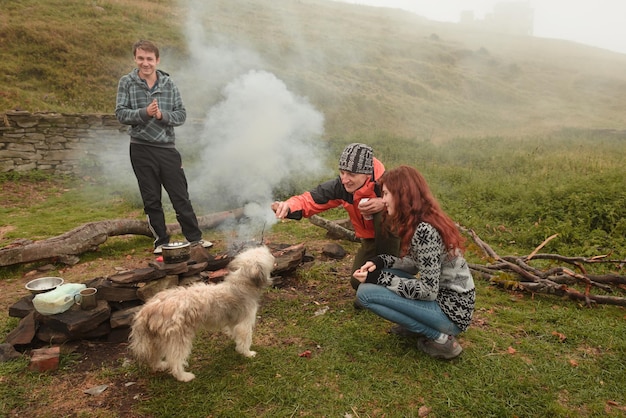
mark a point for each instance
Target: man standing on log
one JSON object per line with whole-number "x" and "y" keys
{"x": 149, "y": 101}
{"x": 357, "y": 191}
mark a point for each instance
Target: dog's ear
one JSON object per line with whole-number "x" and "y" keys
{"x": 253, "y": 265}
{"x": 256, "y": 274}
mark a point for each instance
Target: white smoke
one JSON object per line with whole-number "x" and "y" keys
{"x": 259, "y": 136}
{"x": 256, "y": 134}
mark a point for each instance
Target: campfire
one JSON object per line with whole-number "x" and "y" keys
{"x": 121, "y": 295}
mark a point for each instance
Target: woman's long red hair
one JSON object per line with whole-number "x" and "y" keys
{"x": 415, "y": 203}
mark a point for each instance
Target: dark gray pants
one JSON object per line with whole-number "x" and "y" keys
{"x": 157, "y": 167}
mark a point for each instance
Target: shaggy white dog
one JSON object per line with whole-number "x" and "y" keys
{"x": 163, "y": 330}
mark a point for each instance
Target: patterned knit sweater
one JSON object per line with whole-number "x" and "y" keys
{"x": 441, "y": 277}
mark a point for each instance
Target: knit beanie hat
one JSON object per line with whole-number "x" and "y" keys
{"x": 357, "y": 158}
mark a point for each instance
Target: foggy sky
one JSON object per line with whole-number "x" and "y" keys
{"x": 600, "y": 23}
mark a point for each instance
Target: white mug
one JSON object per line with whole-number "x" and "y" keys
{"x": 366, "y": 217}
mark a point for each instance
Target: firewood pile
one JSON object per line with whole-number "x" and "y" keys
{"x": 517, "y": 273}
{"x": 121, "y": 295}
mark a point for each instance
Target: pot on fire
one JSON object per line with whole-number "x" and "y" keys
{"x": 176, "y": 252}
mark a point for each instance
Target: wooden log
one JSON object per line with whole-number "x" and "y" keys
{"x": 288, "y": 258}
{"x": 576, "y": 295}
{"x": 89, "y": 236}
{"x": 334, "y": 228}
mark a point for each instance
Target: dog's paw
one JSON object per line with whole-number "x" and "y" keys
{"x": 249, "y": 353}
{"x": 185, "y": 377}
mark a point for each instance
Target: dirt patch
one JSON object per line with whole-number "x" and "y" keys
{"x": 26, "y": 193}
{"x": 82, "y": 371}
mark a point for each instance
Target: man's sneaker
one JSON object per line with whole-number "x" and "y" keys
{"x": 446, "y": 351}
{"x": 158, "y": 250}
{"x": 204, "y": 243}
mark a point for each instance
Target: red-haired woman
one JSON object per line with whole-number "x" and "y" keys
{"x": 429, "y": 290}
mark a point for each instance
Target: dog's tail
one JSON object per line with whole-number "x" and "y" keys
{"x": 141, "y": 345}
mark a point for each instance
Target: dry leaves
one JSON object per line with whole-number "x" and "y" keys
{"x": 305, "y": 353}
{"x": 423, "y": 411}
{"x": 562, "y": 337}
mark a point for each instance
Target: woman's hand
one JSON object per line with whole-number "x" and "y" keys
{"x": 361, "y": 274}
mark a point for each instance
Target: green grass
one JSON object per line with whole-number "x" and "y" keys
{"x": 520, "y": 191}
{"x": 356, "y": 367}
{"x": 47, "y": 218}
{"x": 524, "y": 355}
{"x": 69, "y": 45}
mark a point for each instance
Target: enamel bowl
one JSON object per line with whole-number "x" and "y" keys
{"x": 43, "y": 284}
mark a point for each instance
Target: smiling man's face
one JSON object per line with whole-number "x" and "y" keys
{"x": 147, "y": 63}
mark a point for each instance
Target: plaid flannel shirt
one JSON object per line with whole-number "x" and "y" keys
{"x": 133, "y": 97}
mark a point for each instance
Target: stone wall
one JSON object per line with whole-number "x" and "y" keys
{"x": 57, "y": 143}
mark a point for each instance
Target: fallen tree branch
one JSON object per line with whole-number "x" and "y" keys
{"x": 576, "y": 295}
{"x": 543, "y": 244}
{"x": 66, "y": 247}
{"x": 574, "y": 260}
{"x": 334, "y": 228}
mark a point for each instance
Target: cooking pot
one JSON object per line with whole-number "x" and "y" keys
{"x": 176, "y": 252}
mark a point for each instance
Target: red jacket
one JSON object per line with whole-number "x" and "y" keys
{"x": 332, "y": 194}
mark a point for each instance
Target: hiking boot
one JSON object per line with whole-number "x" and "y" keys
{"x": 446, "y": 351}
{"x": 402, "y": 332}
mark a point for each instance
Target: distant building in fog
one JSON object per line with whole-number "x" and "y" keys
{"x": 514, "y": 17}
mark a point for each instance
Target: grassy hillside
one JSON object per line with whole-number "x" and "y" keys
{"x": 369, "y": 71}
{"x": 529, "y": 153}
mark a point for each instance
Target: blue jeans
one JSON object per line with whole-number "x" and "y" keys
{"x": 421, "y": 316}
